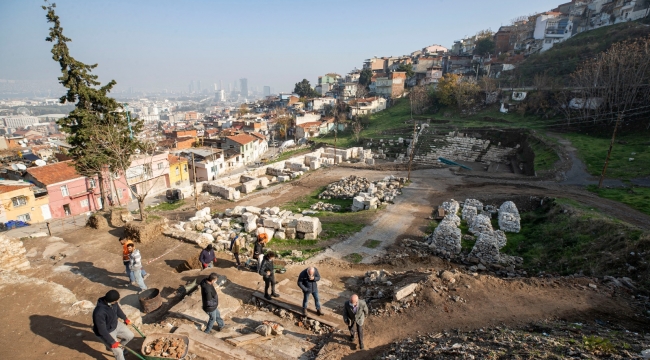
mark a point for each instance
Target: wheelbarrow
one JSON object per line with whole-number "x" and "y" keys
{"x": 152, "y": 337}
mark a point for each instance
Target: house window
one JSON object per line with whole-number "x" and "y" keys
{"x": 84, "y": 203}
{"x": 64, "y": 190}
{"x": 92, "y": 183}
{"x": 19, "y": 201}
{"x": 185, "y": 167}
{"x": 147, "y": 170}
{"x": 178, "y": 171}
{"x": 160, "y": 166}
{"x": 116, "y": 175}
{"x": 24, "y": 217}
{"x": 66, "y": 210}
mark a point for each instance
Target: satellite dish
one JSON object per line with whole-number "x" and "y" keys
{"x": 21, "y": 167}
{"x": 14, "y": 166}
{"x": 40, "y": 162}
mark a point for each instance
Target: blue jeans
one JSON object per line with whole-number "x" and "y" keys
{"x": 213, "y": 316}
{"x": 137, "y": 274}
{"x": 305, "y": 300}
{"x": 130, "y": 274}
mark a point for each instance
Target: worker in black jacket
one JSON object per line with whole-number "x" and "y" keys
{"x": 268, "y": 274}
{"x": 211, "y": 302}
{"x": 106, "y": 327}
{"x": 308, "y": 283}
{"x": 258, "y": 253}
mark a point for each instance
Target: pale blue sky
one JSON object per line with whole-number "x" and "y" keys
{"x": 149, "y": 45}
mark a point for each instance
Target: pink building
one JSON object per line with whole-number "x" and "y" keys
{"x": 147, "y": 174}
{"x": 69, "y": 192}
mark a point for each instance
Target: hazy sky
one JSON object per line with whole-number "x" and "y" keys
{"x": 151, "y": 45}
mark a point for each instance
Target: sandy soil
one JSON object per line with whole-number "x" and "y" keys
{"x": 37, "y": 325}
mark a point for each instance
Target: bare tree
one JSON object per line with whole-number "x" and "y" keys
{"x": 419, "y": 99}
{"x": 357, "y": 126}
{"x": 140, "y": 174}
{"x": 283, "y": 121}
{"x": 362, "y": 92}
{"x": 612, "y": 84}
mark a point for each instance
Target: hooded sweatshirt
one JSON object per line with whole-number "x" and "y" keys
{"x": 105, "y": 319}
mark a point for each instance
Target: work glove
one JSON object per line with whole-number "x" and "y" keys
{"x": 115, "y": 345}
{"x": 127, "y": 321}
{"x": 205, "y": 266}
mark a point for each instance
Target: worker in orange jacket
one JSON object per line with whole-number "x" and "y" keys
{"x": 126, "y": 259}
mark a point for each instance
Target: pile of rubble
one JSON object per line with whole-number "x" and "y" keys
{"x": 445, "y": 241}
{"x": 247, "y": 222}
{"x": 351, "y": 186}
{"x": 322, "y": 206}
{"x": 166, "y": 347}
{"x": 509, "y": 219}
{"x": 588, "y": 340}
{"x": 365, "y": 195}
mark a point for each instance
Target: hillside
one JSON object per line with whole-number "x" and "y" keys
{"x": 564, "y": 58}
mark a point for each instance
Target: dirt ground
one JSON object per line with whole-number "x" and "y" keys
{"x": 88, "y": 263}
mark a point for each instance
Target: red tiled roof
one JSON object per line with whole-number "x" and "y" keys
{"x": 175, "y": 159}
{"x": 310, "y": 124}
{"x": 242, "y": 139}
{"x": 54, "y": 173}
{"x": 10, "y": 188}
{"x": 258, "y": 135}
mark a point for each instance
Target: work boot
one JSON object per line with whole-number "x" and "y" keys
{"x": 267, "y": 296}
{"x": 318, "y": 312}
{"x": 361, "y": 346}
{"x": 275, "y": 295}
{"x": 146, "y": 276}
{"x": 352, "y": 338}
{"x": 304, "y": 311}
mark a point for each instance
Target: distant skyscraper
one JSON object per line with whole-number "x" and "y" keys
{"x": 243, "y": 87}
{"x": 215, "y": 86}
{"x": 267, "y": 91}
{"x": 198, "y": 86}
{"x": 220, "y": 84}
{"x": 191, "y": 86}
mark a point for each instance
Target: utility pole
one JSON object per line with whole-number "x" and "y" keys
{"x": 196, "y": 197}
{"x": 413, "y": 141}
{"x": 609, "y": 152}
{"x": 412, "y": 149}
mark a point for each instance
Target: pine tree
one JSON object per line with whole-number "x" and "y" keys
{"x": 95, "y": 112}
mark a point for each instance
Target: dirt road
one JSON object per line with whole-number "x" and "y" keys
{"x": 402, "y": 219}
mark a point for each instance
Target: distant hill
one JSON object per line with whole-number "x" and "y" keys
{"x": 562, "y": 59}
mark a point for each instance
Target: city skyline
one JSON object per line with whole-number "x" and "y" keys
{"x": 286, "y": 46}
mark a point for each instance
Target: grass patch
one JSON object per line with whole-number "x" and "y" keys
{"x": 341, "y": 227}
{"x": 166, "y": 206}
{"x": 305, "y": 202}
{"x": 595, "y": 343}
{"x": 289, "y": 154}
{"x": 431, "y": 227}
{"x": 372, "y": 244}
{"x": 592, "y": 150}
{"x": 306, "y": 253}
{"x": 151, "y": 218}
{"x": 545, "y": 157}
{"x": 354, "y": 258}
{"x": 562, "y": 239}
{"x": 636, "y": 197}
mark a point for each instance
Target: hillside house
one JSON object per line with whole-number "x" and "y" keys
{"x": 23, "y": 201}
{"x": 69, "y": 192}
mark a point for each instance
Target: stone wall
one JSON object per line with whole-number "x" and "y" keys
{"x": 460, "y": 147}
{"x": 12, "y": 255}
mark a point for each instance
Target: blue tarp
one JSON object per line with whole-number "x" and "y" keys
{"x": 12, "y": 224}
